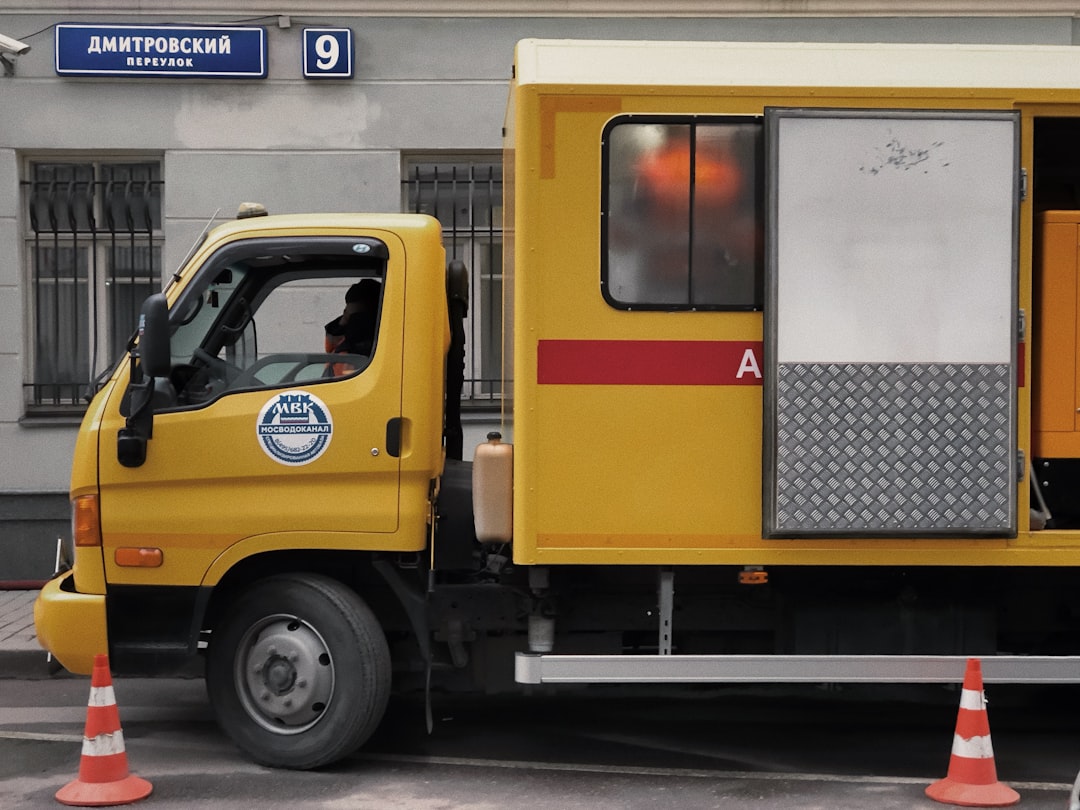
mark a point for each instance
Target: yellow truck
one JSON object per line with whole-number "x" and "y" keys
{"x": 794, "y": 397}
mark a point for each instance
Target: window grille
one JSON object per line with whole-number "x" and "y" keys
{"x": 94, "y": 251}
{"x": 465, "y": 195}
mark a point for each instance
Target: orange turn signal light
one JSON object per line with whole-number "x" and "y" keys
{"x": 127, "y": 557}
{"x": 86, "y": 521}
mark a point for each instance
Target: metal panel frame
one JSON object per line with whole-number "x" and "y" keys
{"x": 967, "y": 526}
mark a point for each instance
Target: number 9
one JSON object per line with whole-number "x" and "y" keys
{"x": 328, "y": 51}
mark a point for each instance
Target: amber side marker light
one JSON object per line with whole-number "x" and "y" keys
{"x": 753, "y": 576}
{"x": 127, "y": 557}
{"x": 85, "y": 523}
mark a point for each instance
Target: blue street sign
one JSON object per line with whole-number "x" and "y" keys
{"x": 328, "y": 53}
{"x": 173, "y": 50}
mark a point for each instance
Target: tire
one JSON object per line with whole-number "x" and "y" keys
{"x": 298, "y": 671}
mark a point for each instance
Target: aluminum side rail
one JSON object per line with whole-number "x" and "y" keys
{"x": 532, "y": 668}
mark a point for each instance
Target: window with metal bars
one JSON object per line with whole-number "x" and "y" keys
{"x": 465, "y": 195}
{"x": 93, "y": 245}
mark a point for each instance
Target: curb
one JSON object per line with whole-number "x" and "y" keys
{"x": 21, "y": 657}
{"x": 30, "y": 665}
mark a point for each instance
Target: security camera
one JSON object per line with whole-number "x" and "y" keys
{"x": 9, "y": 45}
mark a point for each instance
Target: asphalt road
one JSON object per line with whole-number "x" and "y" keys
{"x": 719, "y": 748}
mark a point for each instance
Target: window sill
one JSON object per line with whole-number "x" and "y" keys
{"x": 52, "y": 418}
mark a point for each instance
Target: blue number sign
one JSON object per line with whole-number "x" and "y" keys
{"x": 328, "y": 53}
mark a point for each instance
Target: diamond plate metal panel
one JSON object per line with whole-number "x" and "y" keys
{"x": 893, "y": 448}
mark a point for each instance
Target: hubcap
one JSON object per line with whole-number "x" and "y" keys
{"x": 284, "y": 674}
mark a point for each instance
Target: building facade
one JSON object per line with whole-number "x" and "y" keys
{"x": 121, "y": 140}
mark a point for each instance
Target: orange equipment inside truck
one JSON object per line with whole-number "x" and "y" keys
{"x": 794, "y": 398}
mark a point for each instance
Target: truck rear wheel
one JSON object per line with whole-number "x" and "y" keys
{"x": 298, "y": 671}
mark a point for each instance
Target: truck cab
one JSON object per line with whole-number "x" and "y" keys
{"x": 238, "y": 435}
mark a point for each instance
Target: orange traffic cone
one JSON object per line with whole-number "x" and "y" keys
{"x": 103, "y": 770}
{"x": 972, "y": 778}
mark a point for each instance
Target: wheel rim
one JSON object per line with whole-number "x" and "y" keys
{"x": 284, "y": 674}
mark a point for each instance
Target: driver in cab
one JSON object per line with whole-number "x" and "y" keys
{"x": 353, "y": 332}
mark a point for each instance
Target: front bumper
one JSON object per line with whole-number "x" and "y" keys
{"x": 71, "y": 625}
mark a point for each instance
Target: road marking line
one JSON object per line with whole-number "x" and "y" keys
{"x": 37, "y": 735}
{"x": 632, "y": 770}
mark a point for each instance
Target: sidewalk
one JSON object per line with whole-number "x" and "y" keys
{"x": 20, "y": 654}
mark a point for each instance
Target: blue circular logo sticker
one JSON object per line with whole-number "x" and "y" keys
{"x": 294, "y": 428}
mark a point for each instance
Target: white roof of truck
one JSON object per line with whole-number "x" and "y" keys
{"x": 796, "y": 64}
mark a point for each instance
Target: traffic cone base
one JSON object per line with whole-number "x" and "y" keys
{"x": 103, "y": 780}
{"x": 104, "y": 794}
{"x": 972, "y": 778}
{"x": 949, "y": 791}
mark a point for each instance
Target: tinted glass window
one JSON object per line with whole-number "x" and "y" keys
{"x": 682, "y": 213}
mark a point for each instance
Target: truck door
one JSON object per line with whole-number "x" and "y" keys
{"x": 891, "y": 323}
{"x": 276, "y": 425}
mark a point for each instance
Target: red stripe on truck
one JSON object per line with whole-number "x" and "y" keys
{"x": 649, "y": 362}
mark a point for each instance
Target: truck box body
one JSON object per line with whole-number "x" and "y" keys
{"x": 646, "y": 431}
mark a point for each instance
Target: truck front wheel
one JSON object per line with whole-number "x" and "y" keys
{"x": 298, "y": 671}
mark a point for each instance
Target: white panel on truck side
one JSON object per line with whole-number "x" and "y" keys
{"x": 891, "y": 323}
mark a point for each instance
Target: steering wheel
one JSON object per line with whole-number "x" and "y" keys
{"x": 292, "y": 364}
{"x": 221, "y": 370}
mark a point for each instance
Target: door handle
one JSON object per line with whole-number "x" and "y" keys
{"x": 393, "y": 437}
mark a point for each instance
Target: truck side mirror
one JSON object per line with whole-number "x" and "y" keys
{"x": 149, "y": 360}
{"x": 457, "y": 286}
{"x": 153, "y": 349}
